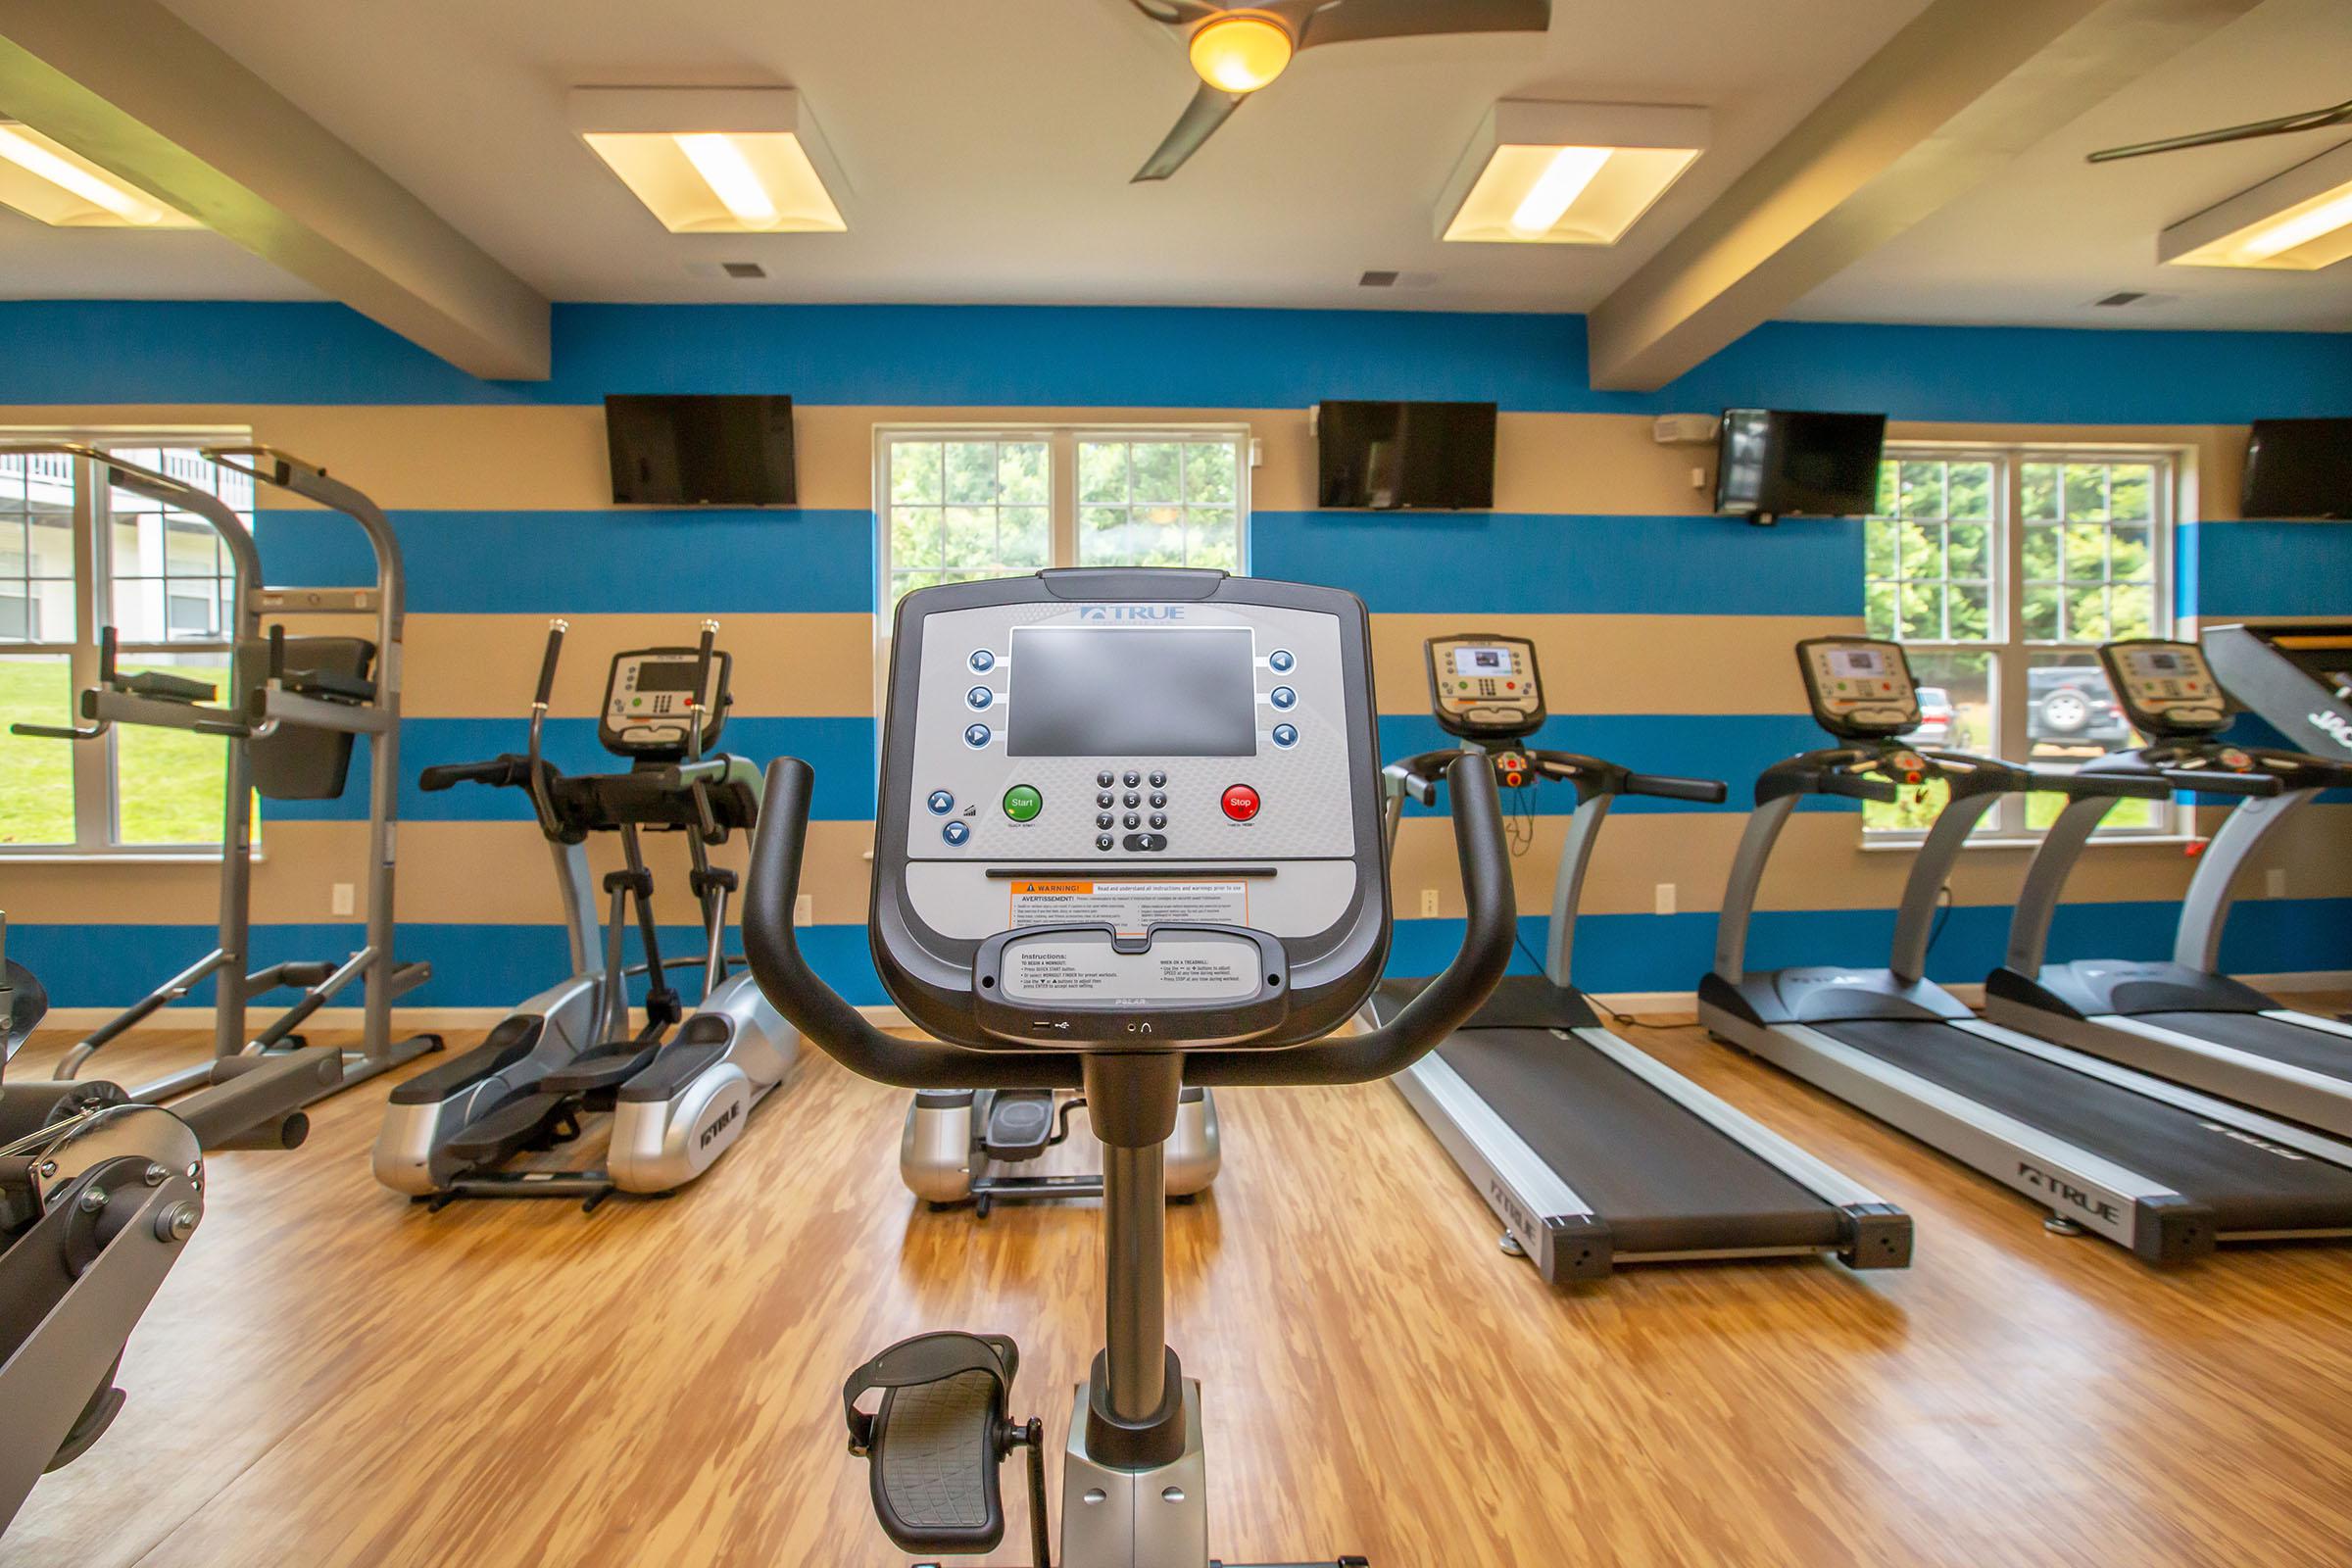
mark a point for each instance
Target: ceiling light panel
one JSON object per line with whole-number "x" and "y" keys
{"x": 1566, "y": 173}
{"x": 716, "y": 160}
{"x": 46, "y": 180}
{"x": 2300, "y": 220}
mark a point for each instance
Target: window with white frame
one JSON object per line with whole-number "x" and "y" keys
{"x": 77, "y": 554}
{"x": 2002, "y": 569}
{"x": 958, "y": 504}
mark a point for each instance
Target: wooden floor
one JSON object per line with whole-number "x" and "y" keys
{"x": 335, "y": 1377}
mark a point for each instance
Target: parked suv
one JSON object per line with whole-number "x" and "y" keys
{"x": 2071, "y": 704}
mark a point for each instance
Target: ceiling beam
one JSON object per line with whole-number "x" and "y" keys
{"x": 131, "y": 87}
{"x": 1949, "y": 101}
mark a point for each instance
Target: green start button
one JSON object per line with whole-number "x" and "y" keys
{"x": 1022, "y": 803}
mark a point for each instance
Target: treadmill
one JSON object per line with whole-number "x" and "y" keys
{"x": 2183, "y": 1019}
{"x": 1593, "y": 1153}
{"x": 2155, "y": 1166}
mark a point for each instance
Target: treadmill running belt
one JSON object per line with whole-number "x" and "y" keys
{"x": 1662, "y": 1179}
{"x": 2312, "y": 1049}
{"x": 2248, "y": 1186}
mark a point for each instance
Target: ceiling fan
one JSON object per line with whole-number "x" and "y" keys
{"x": 2283, "y": 126}
{"x": 1238, "y": 49}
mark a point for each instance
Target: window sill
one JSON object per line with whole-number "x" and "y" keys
{"x": 1910, "y": 846}
{"x": 117, "y": 858}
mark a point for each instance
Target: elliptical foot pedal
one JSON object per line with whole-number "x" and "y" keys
{"x": 1020, "y": 1124}
{"x": 934, "y": 1445}
{"x": 524, "y": 1122}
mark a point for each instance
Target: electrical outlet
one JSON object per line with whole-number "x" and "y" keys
{"x": 804, "y": 909}
{"x": 1429, "y": 904}
{"x": 342, "y": 899}
{"x": 1699, "y": 478}
{"x": 1665, "y": 898}
{"x": 2274, "y": 882}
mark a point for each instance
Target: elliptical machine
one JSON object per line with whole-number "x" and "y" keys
{"x": 1262, "y": 715}
{"x": 678, "y": 1100}
{"x": 99, "y": 1193}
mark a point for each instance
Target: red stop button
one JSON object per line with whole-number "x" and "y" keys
{"x": 1241, "y": 803}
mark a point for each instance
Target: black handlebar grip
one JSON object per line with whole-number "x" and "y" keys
{"x": 1706, "y": 791}
{"x": 1442, "y": 1005}
{"x": 2255, "y": 786}
{"x": 2105, "y": 786}
{"x": 1861, "y": 787}
{"x": 547, "y": 661}
{"x": 772, "y": 949}
{"x": 506, "y": 769}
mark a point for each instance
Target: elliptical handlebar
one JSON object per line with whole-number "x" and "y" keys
{"x": 535, "y": 777}
{"x": 771, "y": 948}
{"x": 508, "y": 771}
{"x": 2247, "y": 786}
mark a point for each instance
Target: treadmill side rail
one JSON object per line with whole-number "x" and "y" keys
{"x": 2073, "y": 1183}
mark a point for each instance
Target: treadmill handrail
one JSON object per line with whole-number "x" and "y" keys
{"x": 773, "y": 949}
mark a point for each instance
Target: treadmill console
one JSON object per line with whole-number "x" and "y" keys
{"x": 649, "y": 700}
{"x": 2167, "y": 689}
{"x": 1860, "y": 687}
{"x": 1111, "y": 794}
{"x": 1483, "y": 686}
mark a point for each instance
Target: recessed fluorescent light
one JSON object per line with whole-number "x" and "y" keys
{"x": 2300, "y": 220}
{"x": 1566, "y": 173}
{"x": 714, "y": 161}
{"x": 47, "y": 181}
{"x": 730, "y": 176}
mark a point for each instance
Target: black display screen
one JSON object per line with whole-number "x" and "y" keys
{"x": 679, "y": 450}
{"x": 667, "y": 675}
{"x": 1396, "y": 455}
{"x": 1144, "y": 691}
{"x": 2298, "y": 469}
{"x": 1778, "y": 464}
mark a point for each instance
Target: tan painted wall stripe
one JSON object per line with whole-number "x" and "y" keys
{"x": 1622, "y": 663}
{"x": 484, "y": 667}
{"x": 1820, "y": 864}
{"x": 486, "y": 458}
{"x": 499, "y": 872}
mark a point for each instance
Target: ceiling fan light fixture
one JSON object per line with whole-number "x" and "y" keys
{"x": 1566, "y": 173}
{"x": 1240, "y": 52}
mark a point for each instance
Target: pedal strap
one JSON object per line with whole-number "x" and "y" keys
{"x": 925, "y": 1358}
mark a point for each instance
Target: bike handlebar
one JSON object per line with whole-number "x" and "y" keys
{"x": 771, "y": 948}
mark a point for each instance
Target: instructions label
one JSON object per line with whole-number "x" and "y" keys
{"x": 1129, "y": 907}
{"x": 1186, "y": 970}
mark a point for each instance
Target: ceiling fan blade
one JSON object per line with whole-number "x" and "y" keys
{"x": 1353, "y": 20}
{"x": 1176, "y": 13}
{"x": 2283, "y": 126}
{"x": 1203, "y": 114}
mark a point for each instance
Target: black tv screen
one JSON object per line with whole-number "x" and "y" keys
{"x": 1773, "y": 464}
{"x": 686, "y": 451}
{"x": 2298, "y": 469}
{"x": 1394, "y": 454}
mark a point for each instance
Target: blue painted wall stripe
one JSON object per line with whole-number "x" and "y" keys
{"x": 1504, "y": 562}
{"x": 2234, "y": 569}
{"x": 474, "y": 965}
{"x": 496, "y": 965}
{"x": 218, "y": 352}
{"x": 716, "y": 561}
{"x": 840, "y": 750}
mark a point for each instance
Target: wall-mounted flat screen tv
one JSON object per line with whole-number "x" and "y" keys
{"x": 2298, "y": 469}
{"x": 701, "y": 451}
{"x": 1772, "y": 463}
{"x": 1387, "y": 456}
